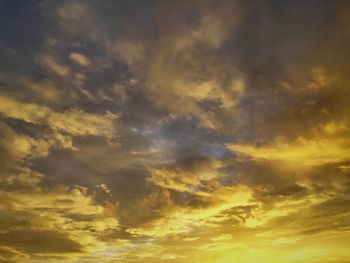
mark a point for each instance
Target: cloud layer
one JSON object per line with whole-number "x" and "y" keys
{"x": 174, "y": 131}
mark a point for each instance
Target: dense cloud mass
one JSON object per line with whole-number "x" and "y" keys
{"x": 174, "y": 131}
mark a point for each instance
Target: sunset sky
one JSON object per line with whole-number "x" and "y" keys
{"x": 175, "y": 131}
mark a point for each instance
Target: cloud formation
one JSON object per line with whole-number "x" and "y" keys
{"x": 174, "y": 131}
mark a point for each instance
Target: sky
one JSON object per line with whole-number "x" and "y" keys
{"x": 174, "y": 131}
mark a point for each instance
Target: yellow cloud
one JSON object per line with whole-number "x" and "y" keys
{"x": 43, "y": 89}
{"x": 74, "y": 122}
{"x": 187, "y": 95}
{"x": 344, "y": 168}
{"x": 222, "y": 237}
{"x": 67, "y": 215}
{"x": 333, "y": 127}
{"x": 79, "y": 58}
{"x": 186, "y": 178}
{"x": 173, "y": 80}
{"x": 16, "y": 147}
{"x": 183, "y": 220}
{"x": 23, "y": 177}
{"x": 290, "y": 206}
{"x": 209, "y": 32}
{"x": 319, "y": 78}
{"x": 281, "y": 234}
{"x": 299, "y": 152}
{"x": 49, "y": 62}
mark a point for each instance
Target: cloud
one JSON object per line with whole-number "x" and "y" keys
{"x": 21, "y": 177}
{"x": 188, "y": 175}
{"x": 149, "y": 131}
{"x": 16, "y": 147}
{"x": 181, "y": 220}
{"x": 79, "y": 58}
{"x": 62, "y": 220}
{"x": 128, "y": 51}
{"x": 44, "y": 90}
{"x": 299, "y": 152}
{"x": 50, "y": 63}
{"x": 319, "y": 79}
{"x": 73, "y": 121}
{"x": 40, "y": 242}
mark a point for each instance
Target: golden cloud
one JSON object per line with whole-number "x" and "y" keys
{"x": 183, "y": 220}
{"x": 79, "y": 58}
{"x": 189, "y": 175}
{"x": 299, "y": 152}
{"x": 49, "y": 62}
{"x": 189, "y": 78}
{"x": 74, "y": 121}
{"x": 68, "y": 219}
